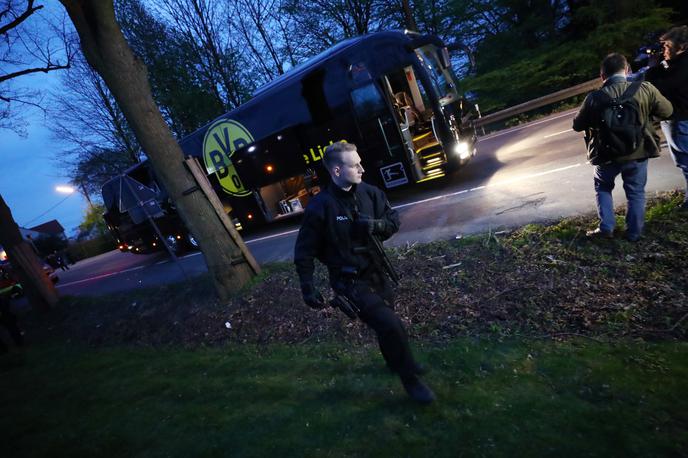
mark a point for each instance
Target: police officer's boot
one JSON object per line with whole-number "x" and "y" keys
{"x": 417, "y": 369}
{"x": 417, "y": 390}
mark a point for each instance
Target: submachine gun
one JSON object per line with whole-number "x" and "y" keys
{"x": 345, "y": 305}
{"x": 379, "y": 257}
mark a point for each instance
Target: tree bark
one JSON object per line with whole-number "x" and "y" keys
{"x": 38, "y": 287}
{"x": 107, "y": 51}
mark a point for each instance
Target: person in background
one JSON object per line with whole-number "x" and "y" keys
{"x": 671, "y": 78}
{"x": 611, "y": 161}
{"x": 62, "y": 264}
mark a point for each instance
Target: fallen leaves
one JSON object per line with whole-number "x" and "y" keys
{"x": 538, "y": 281}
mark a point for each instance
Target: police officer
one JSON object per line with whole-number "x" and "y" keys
{"x": 336, "y": 230}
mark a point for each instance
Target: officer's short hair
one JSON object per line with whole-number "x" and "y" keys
{"x": 332, "y": 156}
{"x": 613, "y": 63}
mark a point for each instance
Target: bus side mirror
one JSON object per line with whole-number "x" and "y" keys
{"x": 445, "y": 62}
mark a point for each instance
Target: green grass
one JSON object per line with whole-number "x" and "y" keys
{"x": 509, "y": 398}
{"x": 156, "y": 373}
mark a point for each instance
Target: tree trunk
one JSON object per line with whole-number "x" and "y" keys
{"x": 37, "y": 286}
{"x": 107, "y": 51}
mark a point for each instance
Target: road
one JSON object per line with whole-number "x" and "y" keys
{"x": 531, "y": 173}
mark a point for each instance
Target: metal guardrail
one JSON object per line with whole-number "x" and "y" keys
{"x": 539, "y": 102}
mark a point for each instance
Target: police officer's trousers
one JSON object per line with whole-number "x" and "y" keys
{"x": 375, "y": 299}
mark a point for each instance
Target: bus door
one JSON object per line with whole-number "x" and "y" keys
{"x": 417, "y": 122}
{"x": 384, "y": 148}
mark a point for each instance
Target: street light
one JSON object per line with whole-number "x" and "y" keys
{"x": 64, "y": 189}
{"x": 71, "y": 190}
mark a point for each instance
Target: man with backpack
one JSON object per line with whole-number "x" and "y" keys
{"x": 620, "y": 139}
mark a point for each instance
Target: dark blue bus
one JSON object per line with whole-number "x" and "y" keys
{"x": 393, "y": 94}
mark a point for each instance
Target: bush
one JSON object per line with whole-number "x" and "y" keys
{"x": 89, "y": 248}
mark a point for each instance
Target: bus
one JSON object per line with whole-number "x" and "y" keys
{"x": 391, "y": 93}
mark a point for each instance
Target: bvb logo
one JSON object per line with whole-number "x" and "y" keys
{"x": 221, "y": 140}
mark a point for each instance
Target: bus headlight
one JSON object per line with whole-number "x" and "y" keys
{"x": 461, "y": 148}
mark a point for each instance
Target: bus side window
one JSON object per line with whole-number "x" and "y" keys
{"x": 368, "y": 102}
{"x": 314, "y": 92}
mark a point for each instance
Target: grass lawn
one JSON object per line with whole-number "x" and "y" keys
{"x": 540, "y": 343}
{"x": 496, "y": 397}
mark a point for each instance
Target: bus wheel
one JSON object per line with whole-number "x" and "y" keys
{"x": 173, "y": 244}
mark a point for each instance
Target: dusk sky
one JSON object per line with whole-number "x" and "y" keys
{"x": 30, "y": 170}
{"x": 30, "y": 167}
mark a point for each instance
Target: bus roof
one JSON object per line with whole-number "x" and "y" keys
{"x": 340, "y": 47}
{"x": 298, "y": 72}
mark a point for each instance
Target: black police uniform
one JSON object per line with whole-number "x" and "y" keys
{"x": 335, "y": 231}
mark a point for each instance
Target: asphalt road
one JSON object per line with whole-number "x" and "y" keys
{"x": 531, "y": 173}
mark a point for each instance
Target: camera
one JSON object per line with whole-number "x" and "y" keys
{"x": 649, "y": 55}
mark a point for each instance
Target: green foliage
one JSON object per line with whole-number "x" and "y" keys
{"x": 46, "y": 244}
{"x": 186, "y": 100}
{"x": 520, "y": 397}
{"x": 84, "y": 249}
{"x": 524, "y": 73}
{"x": 93, "y": 222}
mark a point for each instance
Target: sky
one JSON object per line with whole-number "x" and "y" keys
{"x": 29, "y": 167}
{"x": 30, "y": 173}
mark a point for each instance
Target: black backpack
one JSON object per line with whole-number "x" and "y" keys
{"x": 621, "y": 131}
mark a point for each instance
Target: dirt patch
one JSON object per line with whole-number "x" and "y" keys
{"x": 536, "y": 281}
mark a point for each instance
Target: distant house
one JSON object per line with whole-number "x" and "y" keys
{"x": 52, "y": 227}
{"x": 28, "y": 233}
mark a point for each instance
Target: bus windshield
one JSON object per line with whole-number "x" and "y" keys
{"x": 441, "y": 78}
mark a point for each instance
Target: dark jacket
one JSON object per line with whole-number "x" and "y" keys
{"x": 329, "y": 231}
{"x": 651, "y": 104}
{"x": 672, "y": 82}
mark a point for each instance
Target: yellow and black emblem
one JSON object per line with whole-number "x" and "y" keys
{"x": 221, "y": 140}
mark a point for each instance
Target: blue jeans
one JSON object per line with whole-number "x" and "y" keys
{"x": 676, "y": 133}
{"x": 634, "y": 176}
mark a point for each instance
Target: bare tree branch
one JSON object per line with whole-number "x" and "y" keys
{"x": 19, "y": 19}
{"x": 28, "y": 51}
{"x": 28, "y": 71}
